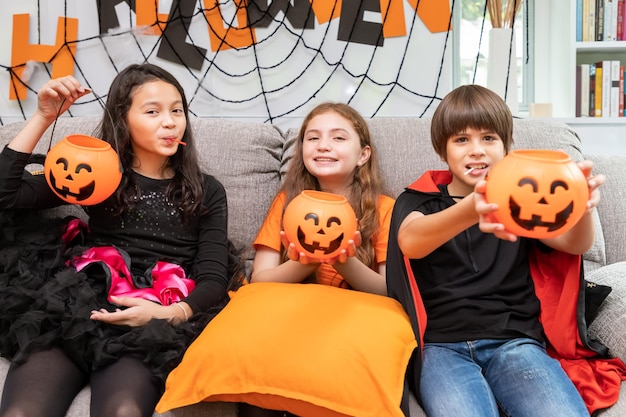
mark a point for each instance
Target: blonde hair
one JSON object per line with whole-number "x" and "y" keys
{"x": 366, "y": 186}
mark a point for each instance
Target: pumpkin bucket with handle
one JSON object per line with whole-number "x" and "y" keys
{"x": 82, "y": 169}
{"x": 320, "y": 224}
{"x": 540, "y": 193}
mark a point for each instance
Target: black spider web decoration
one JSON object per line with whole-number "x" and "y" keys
{"x": 294, "y": 63}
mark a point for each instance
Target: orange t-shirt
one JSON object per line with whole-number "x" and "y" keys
{"x": 269, "y": 236}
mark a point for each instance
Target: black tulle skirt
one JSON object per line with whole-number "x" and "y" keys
{"x": 44, "y": 303}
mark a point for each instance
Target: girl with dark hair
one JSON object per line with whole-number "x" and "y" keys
{"x": 90, "y": 311}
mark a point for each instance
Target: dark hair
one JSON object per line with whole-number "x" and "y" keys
{"x": 186, "y": 187}
{"x": 470, "y": 106}
{"x": 366, "y": 185}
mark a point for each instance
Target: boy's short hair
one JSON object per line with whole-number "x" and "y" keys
{"x": 471, "y": 106}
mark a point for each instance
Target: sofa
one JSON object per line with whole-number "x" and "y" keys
{"x": 251, "y": 158}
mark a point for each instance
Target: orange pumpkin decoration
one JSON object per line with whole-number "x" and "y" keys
{"x": 320, "y": 224}
{"x": 82, "y": 169}
{"x": 540, "y": 193}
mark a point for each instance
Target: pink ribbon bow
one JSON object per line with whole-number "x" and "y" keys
{"x": 169, "y": 284}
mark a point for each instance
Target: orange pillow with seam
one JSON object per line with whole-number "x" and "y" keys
{"x": 312, "y": 350}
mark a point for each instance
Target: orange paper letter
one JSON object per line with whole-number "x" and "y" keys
{"x": 60, "y": 55}
{"x": 231, "y": 36}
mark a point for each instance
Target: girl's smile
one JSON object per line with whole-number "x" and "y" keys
{"x": 331, "y": 151}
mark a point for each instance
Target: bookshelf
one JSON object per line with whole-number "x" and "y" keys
{"x": 590, "y": 52}
{"x": 556, "y": 55}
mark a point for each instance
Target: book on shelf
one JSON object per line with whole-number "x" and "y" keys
{"x": 603, "y": 85}
{"x": 579, "y": 91}
{"x": 623, "y": 9}
{"x": 582, "y": 90}
{"x": 579, "y": 21}
{"x": 598, "y": 17}
{"x": 599, "y": 91}
{"x": 592, "y": 90}
{"x": 614, "y": 88}
{"x": 621, "y": 91}
{"x": 620, "y": 20}
{"x": 583, "y": 17}
{"x": 610, "y": 20}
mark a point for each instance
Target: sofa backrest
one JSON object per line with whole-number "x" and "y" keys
{"x": 250, "y": 159}
{"x": 612, "y": 207}
{"x": 405, "y": 150}
{"x": 245, "y": 157}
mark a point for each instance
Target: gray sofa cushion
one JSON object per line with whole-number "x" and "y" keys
{"x": 246, "y": 158}
{"x": 613, "y": 215}
{"x": 610, "y": 324}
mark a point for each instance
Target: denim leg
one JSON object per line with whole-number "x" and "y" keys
{"x": 452, "y": 383}
{"x": 527, "y": 382}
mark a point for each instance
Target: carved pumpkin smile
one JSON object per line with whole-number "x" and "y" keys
{"x": 82, "y": 193}
{"x": 320, "y": 239}
{"x": 319, "y": 223}
{"x": 539, "y": 193}
{"x": 560, "y": 218}
{"x": 82, "y": 170}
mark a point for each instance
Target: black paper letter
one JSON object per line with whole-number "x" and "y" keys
{"x": 354, "y": 28}
{"x": 300, "y": 15}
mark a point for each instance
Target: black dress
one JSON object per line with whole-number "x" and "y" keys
{"x": 45, "y": 302}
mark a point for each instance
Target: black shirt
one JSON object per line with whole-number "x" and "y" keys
{"x": 476, "y": 286}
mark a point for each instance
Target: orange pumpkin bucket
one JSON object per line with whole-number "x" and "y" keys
{"x": 540, "y": 193}
{"x": 320, "y": 224}
{"x": 82, "y": 169}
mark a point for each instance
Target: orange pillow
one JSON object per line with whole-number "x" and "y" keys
{"x": 312, "y": 350}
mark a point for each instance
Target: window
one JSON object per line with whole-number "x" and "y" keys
{"x": 470, "y": 46}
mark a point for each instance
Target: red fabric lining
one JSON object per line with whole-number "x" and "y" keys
{"x": 417, "y": 299}
{"x": 557, "y": 284}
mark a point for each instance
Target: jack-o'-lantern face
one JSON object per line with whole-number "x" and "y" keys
{"x": 540, "y": 193}
{"x": 82, "y": 170}
{"x": 320, "y": 234}
{"x": 74, "y": 181}
{"x": 319, "y": 223}
{"x": 550, "y": 207}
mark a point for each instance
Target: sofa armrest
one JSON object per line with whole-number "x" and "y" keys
{"x": 612, "y": 207}
{"x": 609, "y": 326}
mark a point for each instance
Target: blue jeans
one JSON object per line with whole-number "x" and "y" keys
{"x": 476, "y": 378}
